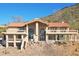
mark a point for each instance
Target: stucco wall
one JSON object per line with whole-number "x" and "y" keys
{"x": 15, "y": 29}
{"x": 12, "y": 29}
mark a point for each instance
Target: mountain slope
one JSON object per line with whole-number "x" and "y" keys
{"x": 68, "y": 14}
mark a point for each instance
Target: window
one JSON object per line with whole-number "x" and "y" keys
{"x": 19, "y": 36}
{"x": 21, "y": 28}
{"x": 51, "y": 37}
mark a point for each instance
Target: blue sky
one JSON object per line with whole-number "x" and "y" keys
{"x": 28, "y": 11}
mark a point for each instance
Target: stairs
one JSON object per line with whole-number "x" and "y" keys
{"x": 23, "y": 42}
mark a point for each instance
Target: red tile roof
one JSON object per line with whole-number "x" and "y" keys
{"x": 23, "y": 24}
{"x": 51, "y": 24}
{"x": 16, "y": 25}
{"x": 37, "y": 21}
{"x": 58, "y": 24}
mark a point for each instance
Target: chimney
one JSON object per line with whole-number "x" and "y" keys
{"x": 62, "y": 21}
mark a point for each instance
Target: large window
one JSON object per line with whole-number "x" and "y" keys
{"x": 42, "y": 34}
{"x": 31, "y": 32}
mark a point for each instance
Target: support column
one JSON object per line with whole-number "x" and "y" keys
{"x": 27, "y": 33}
{"x": 22, "y": 37}
{"x": 6, "y": 41}
{"x": 22, "y": 45}
{"x": 14, "y": 40}
{"x": 67, "y": 29}
{"x": 37, "y": 32}
{"x": 46, "y": 35}
{"x": 47, "y": 38}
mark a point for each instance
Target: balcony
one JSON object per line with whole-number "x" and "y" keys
{"x": 15, "y": 32}
{"x": 61, "y": 31}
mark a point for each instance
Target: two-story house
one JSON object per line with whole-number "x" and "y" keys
{"x": 36, "y": 31}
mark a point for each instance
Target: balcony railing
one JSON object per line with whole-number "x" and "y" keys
{"x": 61, "y": 31}
{"x": 15, "y": 32}
{"x": 21, "y": 31}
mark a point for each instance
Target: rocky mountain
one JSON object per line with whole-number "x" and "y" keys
{"x": 67, "y": 14}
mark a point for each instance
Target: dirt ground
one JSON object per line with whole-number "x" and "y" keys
{"x": 43, "y": 49}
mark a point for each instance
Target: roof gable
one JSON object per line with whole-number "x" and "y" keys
{"x": 33, "y": 21}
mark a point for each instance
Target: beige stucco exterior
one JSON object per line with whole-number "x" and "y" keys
{"x": 38, "y": 31}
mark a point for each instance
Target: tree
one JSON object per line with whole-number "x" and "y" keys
{"x": 17, "y": 19}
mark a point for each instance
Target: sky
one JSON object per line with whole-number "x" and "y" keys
{"x": 28, "y": 11}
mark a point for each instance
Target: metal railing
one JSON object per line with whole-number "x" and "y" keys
{"x": 62, "y": 31}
